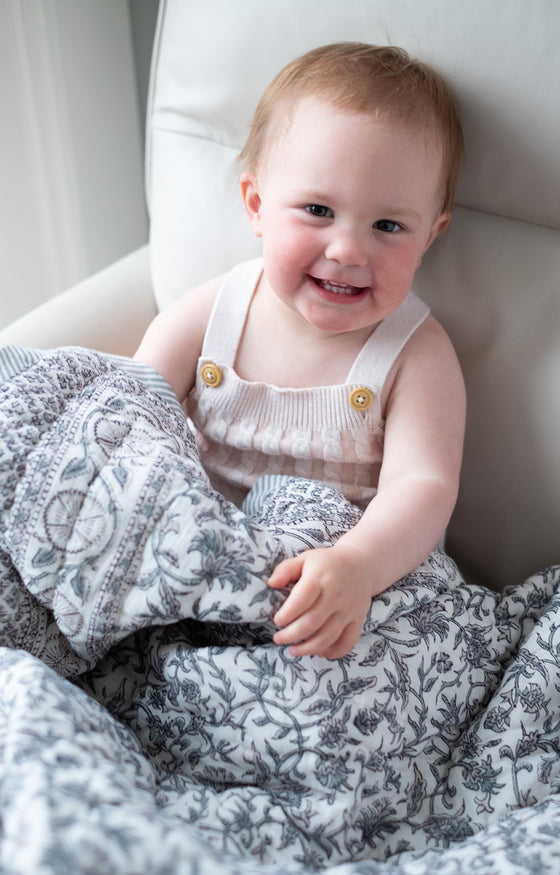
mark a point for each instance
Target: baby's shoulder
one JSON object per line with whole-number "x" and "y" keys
{"x": 202, "y": 298}
{"x": 173, "y": 341}
{"x": 431, "y": 342}
{"x": 427, "y": 359}
{"x": 191, "y": 313}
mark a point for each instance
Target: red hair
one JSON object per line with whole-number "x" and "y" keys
{"x": 362, "y": 78}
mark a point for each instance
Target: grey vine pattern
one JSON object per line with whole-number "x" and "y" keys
{"x": 149, "y": 724}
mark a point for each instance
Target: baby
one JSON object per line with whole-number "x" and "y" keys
{"x": 318, "y": 360}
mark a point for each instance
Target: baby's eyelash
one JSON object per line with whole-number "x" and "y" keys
{"x": 387, "y": 226}
{"x": 319, "y": 211}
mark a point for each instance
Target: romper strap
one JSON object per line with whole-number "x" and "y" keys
{"x": 379, "y": 352}
{"x": 229, "y": 313}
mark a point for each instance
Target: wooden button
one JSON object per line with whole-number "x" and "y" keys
{"x": 361, "y": 398}
{"x": 211, "y": 374}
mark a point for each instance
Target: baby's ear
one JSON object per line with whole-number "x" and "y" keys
{"x": 441, "y": 223}
{"x": 251, "y": 200}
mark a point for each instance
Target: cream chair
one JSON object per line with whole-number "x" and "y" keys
{"x": 494, "y": 281}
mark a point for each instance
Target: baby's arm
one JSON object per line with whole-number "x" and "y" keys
{"x": 417, "y": 490}
{"x": 173, "y": 341}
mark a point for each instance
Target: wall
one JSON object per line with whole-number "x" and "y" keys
{"x": 143, "y": 20}
{"x": 73, "y": 75}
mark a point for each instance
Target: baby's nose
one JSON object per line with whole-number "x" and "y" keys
{"x": 347, "y": 247}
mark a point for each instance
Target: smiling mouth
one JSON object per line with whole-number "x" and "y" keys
{"x": 338, "y": 288}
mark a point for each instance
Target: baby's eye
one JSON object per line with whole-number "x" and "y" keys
{"x": 387, "y": 226}
{"x": 319, "y": 211}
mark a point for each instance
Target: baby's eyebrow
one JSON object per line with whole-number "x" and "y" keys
{"x": 402, "y": 212}
{"x": 314, "y": 197}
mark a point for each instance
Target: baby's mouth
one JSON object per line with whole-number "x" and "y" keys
{"x": 338, "y": 288}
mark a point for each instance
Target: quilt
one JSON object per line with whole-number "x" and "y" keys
{"x": 148, "y": 723}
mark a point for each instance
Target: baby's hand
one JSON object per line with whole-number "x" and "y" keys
{"x": 324, "y": 613}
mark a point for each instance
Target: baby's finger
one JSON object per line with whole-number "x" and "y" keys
{"x": 344, "y": 644}
{"x": 288, "y": 571}
{"x": 306, "y": 624}
{"x": 295, "y": 632}
{"x": 297, "y": 605}
{"x": 324, "y": 641}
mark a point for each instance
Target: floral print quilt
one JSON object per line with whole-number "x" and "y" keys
{"x": 148, "y": 724}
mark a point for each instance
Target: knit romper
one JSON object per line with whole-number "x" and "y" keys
{"x": 328, "y": 433}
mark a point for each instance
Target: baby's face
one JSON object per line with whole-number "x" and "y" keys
{"x": 346, "y": 205}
